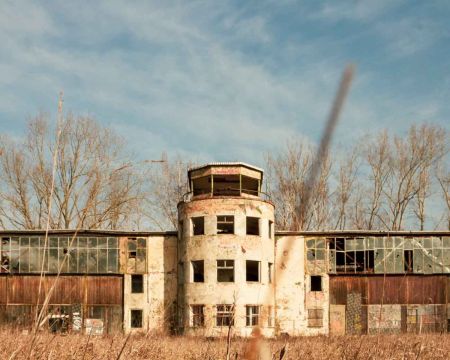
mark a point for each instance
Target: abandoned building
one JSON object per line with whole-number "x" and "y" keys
{"x": 227, "y": 266}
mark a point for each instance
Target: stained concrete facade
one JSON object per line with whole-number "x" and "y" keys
{"x": 227, "y": 267}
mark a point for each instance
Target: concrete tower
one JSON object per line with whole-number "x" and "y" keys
{"x": 226, "y": 252}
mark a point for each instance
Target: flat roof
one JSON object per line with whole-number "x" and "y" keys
{"x": 363, "y": 233}
{"x": 88, "y": 232}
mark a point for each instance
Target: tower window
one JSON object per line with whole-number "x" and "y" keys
{"x": 269, "y": 270}
{"x": 198, "y": 270}
{"x": 225, "y": 224}
{"x": 198, "y": 225}
{"x": 316, "y": 283}
{"x": 252, "y": 225}
{"x": 225, "y": 270}
{"x": 137, "y": 284}
{"x": 270, "y": 229}
{"x": 252, "y": 270}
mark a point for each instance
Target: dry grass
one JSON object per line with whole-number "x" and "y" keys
{"x": 47, "y": 346}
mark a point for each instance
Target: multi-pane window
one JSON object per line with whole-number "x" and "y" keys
{"x": 198, "y": 225}
{"x": 225, "y": 315}
{"x": 225, "y": 270}
{"x": 137, "y": 255}
{"x": 198, "y": 271}
{"x": 252, "y": 225}
{"x": 252, "y": 271}
{"x": 198, "y": 315}
{"x": 136, "y": 318}
{"x": 315, "y": 317}
{"x": 252, "y": 315}
{"x": 70, "y": 255}
{"x": 225, "y": 224}
{"x": 137, "y": 284}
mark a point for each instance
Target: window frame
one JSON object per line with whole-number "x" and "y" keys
{"x": 247, "y": 227}
{"x": 313, "y": 285}
{"x": 201, "y": 230}
{"x": 226, "y": 221}
{"x": 225, "y": 312}
{"x": 193, "y": 266}
{"x": 197, "y": 318}
{"x": 226, "y": 267}
{"x": 247, "y": 273}
{"x": 251, "y": 315}
{"x": 133, "y": 284}
{"x": 141, "y": 320}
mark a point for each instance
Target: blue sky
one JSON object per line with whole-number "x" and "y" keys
{"x": 225, "y": 80}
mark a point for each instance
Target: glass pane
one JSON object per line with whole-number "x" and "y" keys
{"x": 53, "y": 260}
{"x": 388, "y": 243}
{"x": 131, "y": 245}
{"x": 43, "y": 258}
{"x": 320, "y": 244}
{"x": 320, "y": 254}
{"x": 418, "y": 261}
{"x": 140, "y": 260}
{"x": 34, "y": 241}
{"x": 142, "y": 242}
{"x": 311, "y": 244}
{"x": 24, "y": 260}
{"x": 92, "y": 242}
{"x": 102, "y": 243}
{"x": 14, "y": 260}
{"x": 92, "y": 261}
{"x": 14, "y": 243}
{"x": 102, "y": 260}
{"x": 63, "y": 242}
{"x": 112, "y": 260}
{"x": 82, "y": 242}
{"x": 446, "y": 242}
{"x": 437, "y": 243}
{"x": 53, "y": 242}
{"x": 63, "y": 264}
{"x": 24, "y": 241}
{"x": 34, "y": 259}
{"x": 73, "y": 260}
{"x": 112, "y": 243}
{"x": 82, "y": 260}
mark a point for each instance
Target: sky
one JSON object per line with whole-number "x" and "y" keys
{"x": 225, "y": 80}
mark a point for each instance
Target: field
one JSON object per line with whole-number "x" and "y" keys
{"x": 47, "y": 346}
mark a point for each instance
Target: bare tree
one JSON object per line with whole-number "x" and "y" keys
{"x": 410, "y": 163}
{"x": 93, "y": 176}
{"x": 345, "y": 188}
{"x": 443, "y": 178}
{"x": 287, "y": 176}
{"x": 168, "y": 184}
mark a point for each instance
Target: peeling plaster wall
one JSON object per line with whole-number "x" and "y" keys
{"x": 238, "y": 247}
{"x": 158, "y": 300}
{"x": 290, "y": 282}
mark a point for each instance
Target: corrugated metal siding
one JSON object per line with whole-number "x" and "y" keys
{"x": 24, "y": 289}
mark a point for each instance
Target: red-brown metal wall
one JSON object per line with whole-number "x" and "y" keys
{"x": 93, "y": 290}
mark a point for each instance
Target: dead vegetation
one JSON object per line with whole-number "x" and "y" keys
{"x": 48, "y": 346}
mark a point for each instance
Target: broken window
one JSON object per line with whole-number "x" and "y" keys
{"x": 269, "y": 272}
{"x": 225, "y": 224}
{"x": 198, "y": 315}
{"x": 250, "y": 185}
{"x": 198, "y": 225}
{"x": 136, "y": 319}
{"x": 252, "y": 225}
{"x": 408, "y": 261}
{"x": 270, "y": 229}
{"x": 64, "y": 254}
{"x": 252, "y": 270}
{"x": 316, "y": 283}
{"x": 137, "y": 255}
{"x": 252, "y": 315}
{"x": 137, "y": 284}
{"x": 225, "y": 270}
{"x": 225, "y": 315}
{"x": 226, "y": 185}
{"x": 198, "y": 270}
{"x": 315, "y": 317}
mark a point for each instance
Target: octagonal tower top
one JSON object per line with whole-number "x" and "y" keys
{"x": 225, "y": 179}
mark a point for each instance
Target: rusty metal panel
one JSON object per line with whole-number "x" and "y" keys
{"x": 426, "y": 290}
{"x": 104, "y": 290}
{"x": 388, "y": 290}
{"x": 338, "y": 290}
{"x": 24, "y": 289}
{"x": 3, "y": 290}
